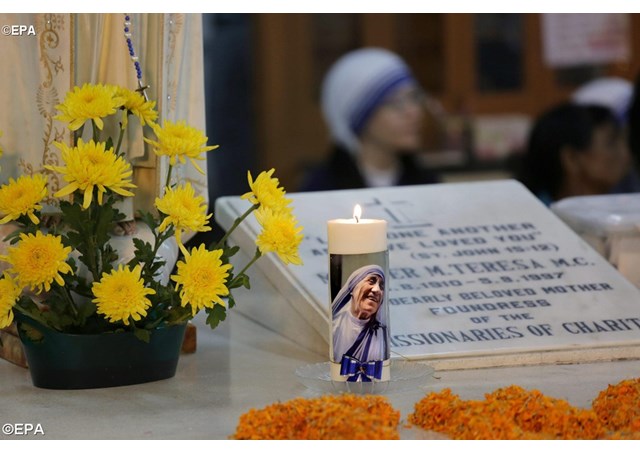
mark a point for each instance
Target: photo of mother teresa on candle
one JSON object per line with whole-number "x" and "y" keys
{"x": 359, "y": 325}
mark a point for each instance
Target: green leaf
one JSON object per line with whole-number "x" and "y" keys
{"x": 237, "y": 282}
{"x": 216, "y": 315}
{"x": 142, "y": 334}
{"x": 143, "y": 247}
{"x": 86, "y": 310}
{"x": 230, "y": 251}
{"x": 231, "y": 301}
{"x": 149, "y": 219}
{"x": 13, "y": 237}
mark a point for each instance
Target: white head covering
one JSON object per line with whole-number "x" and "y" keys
{"x": 614, "y": 93}
{"x": 354, "y": 86}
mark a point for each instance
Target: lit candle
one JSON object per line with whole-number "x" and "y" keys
{"x": 356, "y": 235}
{"x": 358, "y": 269}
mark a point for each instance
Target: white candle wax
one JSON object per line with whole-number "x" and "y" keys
{"x": 356, "y": 236}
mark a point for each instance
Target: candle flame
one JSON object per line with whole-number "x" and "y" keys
{"x": 357, "y": 213}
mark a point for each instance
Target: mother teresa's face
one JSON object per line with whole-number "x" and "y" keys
{"x": 367, "y": 296}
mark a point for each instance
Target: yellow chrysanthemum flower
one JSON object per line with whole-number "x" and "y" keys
{"x": 266, "y": 192}
{"x": 179, "y": 141}
{"x": 202, "y": 277}
{"x": 91, "y": 102}
{"x": 9, "y": 294}
{"x": 280, "y": 234}
{"x": 90, "y": 165}
{"x": 22, "y": 197}
{"x": 135, "y": 103}
{"x": 121, "y": 295}
{"x": 37, "y": 260}
{"x": 184, "y": 210}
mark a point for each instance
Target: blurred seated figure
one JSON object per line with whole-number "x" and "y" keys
{"x": 375, "y": 111}
{"x": 615, "y": 94}
{"x": 633, "y": 124}
{"x": 574, "y": 150}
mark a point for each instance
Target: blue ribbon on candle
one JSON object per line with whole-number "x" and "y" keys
{"x": 355, "y": 369}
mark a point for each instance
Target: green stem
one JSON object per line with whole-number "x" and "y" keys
{"x": 237, "y": 222}
{"x": 183, "y": 318}
{"x": 77, "y": 134}
{"x": 96, "y": 131}
{"x": 166, "y": 184}
{"x": 67, "y": 295}
{"x": 158, "y": 240}
{"x": 92, "y": 249}
{"x": 120, "y": 137}
{"x": 255, "y": 258}
{"x": 156, "y": 323}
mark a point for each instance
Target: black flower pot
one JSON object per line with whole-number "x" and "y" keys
{"x": 69, "y": 361}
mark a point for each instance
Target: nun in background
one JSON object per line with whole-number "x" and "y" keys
{"x": 359, "y": 325}
{"x": 375, "y": 111}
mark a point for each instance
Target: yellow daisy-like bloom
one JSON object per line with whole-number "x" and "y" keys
{"x": 280, "y": 234}
{"x": 91, "y": 102}
{"x": 135, "y": 103}
{"x": 90, "y": 165}
{"x": 22, "y": 197}
{"x": 202, "y": 277}
{"x": 9, "y": 294}
{"x": 184, "y": 210}
{"x": 37, "y": 260}
{"x": 121, "y": 295}
{"x": 179, "y": 141}
{"x": 266, "y": 192}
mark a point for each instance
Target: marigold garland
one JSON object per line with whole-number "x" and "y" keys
{"x": 328, "y": 417}
{"x": 512, "y": 412}
{"x": 508, "y": 413}
{"x": 618, "y": 406}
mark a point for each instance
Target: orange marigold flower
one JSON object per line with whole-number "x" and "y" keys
{"x": 507, "y": 413}
{"x": 618, "y": 406}
{"x": 329, "y": 417}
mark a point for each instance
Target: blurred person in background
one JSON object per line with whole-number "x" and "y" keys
{"x": 375, "y": 111}
{"x": 633, "y": 121}
{"x": 574, "y": 150}
{"x": 616, "y": 95}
